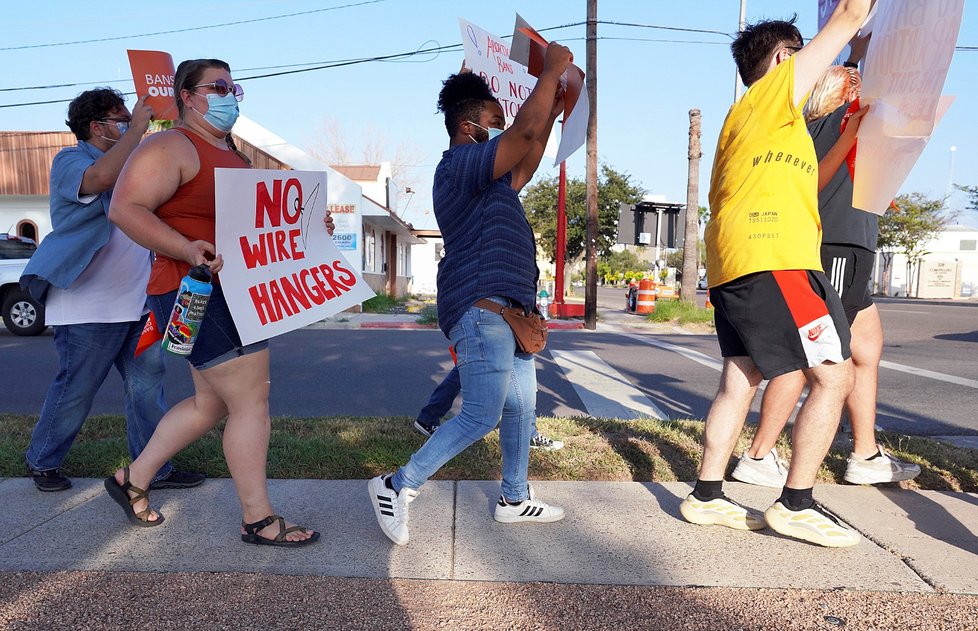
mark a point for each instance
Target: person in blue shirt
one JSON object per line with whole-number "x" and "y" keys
{"x": 92, "y": 280}
{"x": 443, "y": 397}
{"x": 490, "y": 255}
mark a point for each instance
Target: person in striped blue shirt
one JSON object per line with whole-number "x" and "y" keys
{"x": 490, "y": 254}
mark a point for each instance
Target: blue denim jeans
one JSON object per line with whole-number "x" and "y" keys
{"x": 499, "y": 386}
{"x": 86, "y": 353}
{"x": 442, "y": 399}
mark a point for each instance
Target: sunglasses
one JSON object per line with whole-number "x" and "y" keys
{"x": 221, "y": 88}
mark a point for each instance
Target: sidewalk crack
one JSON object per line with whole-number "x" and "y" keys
{"x": 451, "y": 567}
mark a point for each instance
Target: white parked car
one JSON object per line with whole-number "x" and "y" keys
{"x": 22, "y": 315}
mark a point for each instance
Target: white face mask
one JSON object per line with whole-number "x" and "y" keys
{"x": 492, "y": 131}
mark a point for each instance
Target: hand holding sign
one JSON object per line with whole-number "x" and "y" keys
{"x": 152, "y": 73}
{"x": 533, "y": 51}
{"x": 142, "y": 114}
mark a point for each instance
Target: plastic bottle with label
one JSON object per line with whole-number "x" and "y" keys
{"x": 188, "y": 311}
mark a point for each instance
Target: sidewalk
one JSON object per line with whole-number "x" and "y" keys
{"x": 614, "y": 533}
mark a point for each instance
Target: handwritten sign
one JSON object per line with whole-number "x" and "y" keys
{"x": 906, "y": 66}
{"x": 488, "y": 56}
{"x": 530, "y": 48}
{"x": 152, "y": 72}
{"x": 281, "y": 269}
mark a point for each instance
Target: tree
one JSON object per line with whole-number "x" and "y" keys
{"x": 334, "y": 146}
{"x": 907, "y": 227}
{"x": 613, "y": 267}
{"x": 690, "y": 262}
{"x": 540, "y": 201}
{"x": 973, "y": 192}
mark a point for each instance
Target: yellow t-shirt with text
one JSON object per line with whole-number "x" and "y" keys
{"x": 764, "y": 186}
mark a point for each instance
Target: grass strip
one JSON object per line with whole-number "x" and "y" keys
{"x": 339, "y": 448}
{"x": 680, "y": 312}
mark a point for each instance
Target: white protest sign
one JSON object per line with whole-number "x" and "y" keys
{"x": 529, "y": 49}
{"x": 488, "y": 56}
{"x": 281, "y": 269}
{"x": 905, "y": 68}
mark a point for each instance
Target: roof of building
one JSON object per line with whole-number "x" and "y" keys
{"x": 25, "y": 160}
{"x": 359, "y": 172}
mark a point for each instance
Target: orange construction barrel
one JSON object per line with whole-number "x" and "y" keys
{"x": 646, "y": 296}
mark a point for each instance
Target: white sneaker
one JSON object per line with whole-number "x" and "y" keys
{"x": 720, "y": 511}
{"x": 539, "y": 441}
{"x": 768, "y": 471}
{"x": 531, "y": 509}
{"x": 390, "y": 508}
{"x": 880, "y": 468}
{"x": 815, "y": 525}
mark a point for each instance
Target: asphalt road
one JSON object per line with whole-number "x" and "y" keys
{"x": 928, "y": 385}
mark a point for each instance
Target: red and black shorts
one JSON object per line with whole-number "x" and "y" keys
{"x": 849, "y": 269}
{"x": 783, "y": 320}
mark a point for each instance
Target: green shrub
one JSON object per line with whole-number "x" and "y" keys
{"x": 680, "y": 312}
{"x": 381, "y": 303}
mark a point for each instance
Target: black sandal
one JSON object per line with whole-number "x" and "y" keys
{"x": 251, "y": 533}
{"x": 120, "y": 494}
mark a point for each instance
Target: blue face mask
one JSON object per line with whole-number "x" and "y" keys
{"x": 492, "y": 131}
{"x": 222, "y": 111}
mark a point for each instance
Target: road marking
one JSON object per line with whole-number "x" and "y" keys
{"x": 688, "y": 353}
{"x": 715, "y": 364}
{"x": 604, "y": 392}
{"x": 888, "y": 310}
{"x": 939, "y": 376}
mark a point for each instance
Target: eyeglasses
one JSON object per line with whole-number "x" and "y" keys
{"x": 121, "y": 123}
{"x": 794, "y": 48}
{"x": 221, "y": 88}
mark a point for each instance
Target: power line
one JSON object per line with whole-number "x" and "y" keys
{"x": 193, "y": 28}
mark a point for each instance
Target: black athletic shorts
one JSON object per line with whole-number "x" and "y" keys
{"x": 783, "y": 320}
{"x": 849, "y": 269}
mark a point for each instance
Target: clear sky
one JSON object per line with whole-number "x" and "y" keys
{"x": 645, "y": 87}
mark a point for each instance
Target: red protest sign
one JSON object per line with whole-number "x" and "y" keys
{"x": 152, "y": 72}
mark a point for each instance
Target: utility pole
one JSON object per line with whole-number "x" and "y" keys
{"x": 591, "y": 175}
{"x": 738, "y": 86}
{"x": 691, "y": 241}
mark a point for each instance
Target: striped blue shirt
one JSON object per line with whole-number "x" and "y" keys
{"x": 489, "y": 245}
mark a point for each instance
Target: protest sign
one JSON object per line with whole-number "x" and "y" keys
{"x": 488, "y": 56}
{"x": 281, "y": 269}
{"x": 152, "y": 72}
{"x": 530, "y": 48}
{"x": 905, "y": 69}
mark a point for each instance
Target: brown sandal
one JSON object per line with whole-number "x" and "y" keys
{"x": 251, "y": 533}
{"x": 120, "y": 494}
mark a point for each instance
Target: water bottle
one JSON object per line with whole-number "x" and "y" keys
{"x": 188, "y": 311}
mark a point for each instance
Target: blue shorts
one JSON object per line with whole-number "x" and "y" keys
{"x": 218, "y": 340}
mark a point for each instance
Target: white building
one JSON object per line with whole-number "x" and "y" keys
{"x": 948, "y": 270}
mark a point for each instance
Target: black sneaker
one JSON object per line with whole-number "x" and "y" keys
{"x": 49, "y": 481}
{"x": 426, "y": 428}
{"x": 178, "y": 480}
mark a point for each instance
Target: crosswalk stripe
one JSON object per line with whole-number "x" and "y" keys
{"x": 939, "y": 376}
{"x": 604, "y": 391}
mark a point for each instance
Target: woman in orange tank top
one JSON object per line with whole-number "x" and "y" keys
{"x": 164, "y": 201}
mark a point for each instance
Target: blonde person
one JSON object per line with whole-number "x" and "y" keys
{"x": 165, "y": 201}
{"x": 848, "y": 251}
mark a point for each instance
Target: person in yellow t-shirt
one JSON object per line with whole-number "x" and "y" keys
{"x": 775, "y": 311}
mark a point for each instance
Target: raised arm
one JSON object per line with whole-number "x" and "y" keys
{"x": 832, "y": 160}
{"x": 812, "y": 60}
{"x": 104, "y": 172}
{"x": 524, "y": 171}
{"x": 534, "y": 116}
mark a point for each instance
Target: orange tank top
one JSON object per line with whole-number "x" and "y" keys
{"x": 191, "y": 210}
